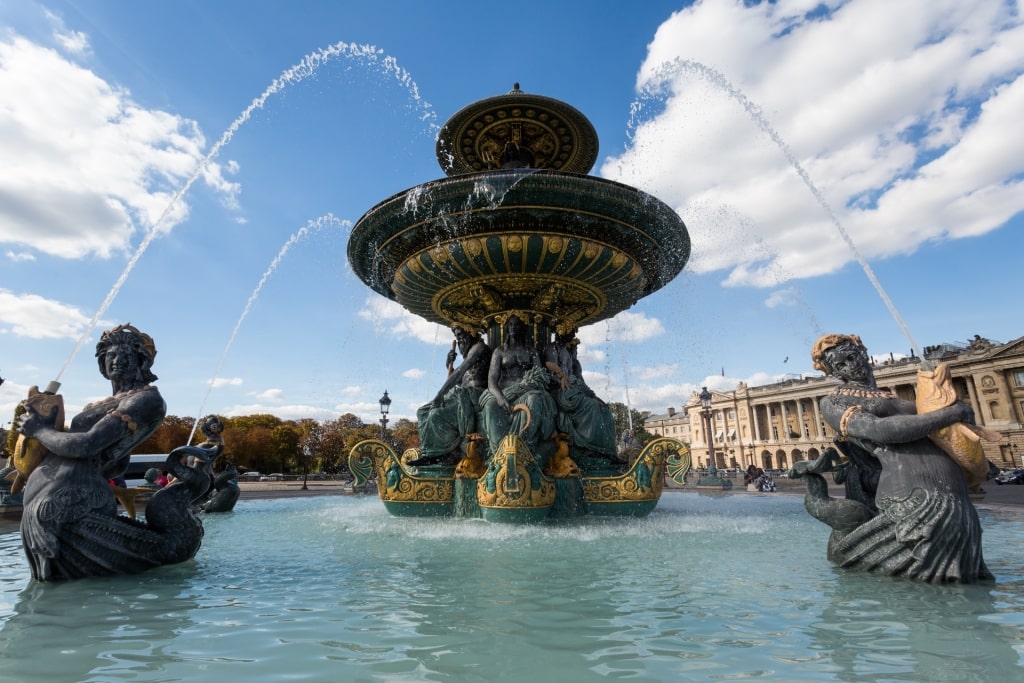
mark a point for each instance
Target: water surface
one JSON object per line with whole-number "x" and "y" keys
{"x": 709, "y": 587}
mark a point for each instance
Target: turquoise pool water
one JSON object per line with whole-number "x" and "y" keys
{"x": 709, "y": 587}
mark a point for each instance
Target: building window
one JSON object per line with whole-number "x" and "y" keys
{"x": 1018, "y": 378}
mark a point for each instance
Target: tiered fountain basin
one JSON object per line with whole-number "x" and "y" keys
{"x": 574, "y": 248}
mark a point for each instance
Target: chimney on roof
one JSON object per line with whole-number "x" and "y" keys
{"x": 671, "y": 411}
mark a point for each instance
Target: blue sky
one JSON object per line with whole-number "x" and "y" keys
{"x": 903, "y": 118}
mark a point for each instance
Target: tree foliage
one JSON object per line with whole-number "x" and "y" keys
{"x": 266, "y": 443}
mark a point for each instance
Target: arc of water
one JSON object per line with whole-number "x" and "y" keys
{"x": 298, "y": 72}
{"x": 625, "y": 383}
{"x": 315, "y": 224}
{"x": 678, "y": 65}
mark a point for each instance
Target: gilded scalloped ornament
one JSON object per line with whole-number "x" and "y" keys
{"x": 678, "y": 463}
{"x": 394, "y": 482}
{"x": 439, "y": 253}
{"x": 645, "y": 479}
{"x": 513, "y": 479}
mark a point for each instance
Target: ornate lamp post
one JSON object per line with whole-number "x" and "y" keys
{"x": 385, "y": 405}
{"x": 711, "y": 479}
{"x": 305, "y": 467}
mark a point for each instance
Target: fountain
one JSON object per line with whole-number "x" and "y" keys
{"x": 518, "y": 243}
{"x": 702, "y": 587}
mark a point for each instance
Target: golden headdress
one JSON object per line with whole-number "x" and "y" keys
{"x": 826, "y": 342}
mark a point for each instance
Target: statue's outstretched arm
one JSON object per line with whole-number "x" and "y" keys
{"x": 901, "y": 428}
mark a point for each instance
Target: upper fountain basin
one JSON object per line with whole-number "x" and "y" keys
{"x": 574, "y": 248}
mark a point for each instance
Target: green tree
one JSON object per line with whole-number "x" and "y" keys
{"x": 174, "y": 431}
{"x": 622, "y": 413}
{"x": 285, "y": 440}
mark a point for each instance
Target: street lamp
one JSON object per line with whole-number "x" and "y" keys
{"x": 711, "y": 480}
{"x": 385, "y": 405}
{"x": 305, "y": 466}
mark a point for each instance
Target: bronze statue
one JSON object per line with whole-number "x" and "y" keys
{"x": 70, "y": 526}
{"x": 907, "y": 511}
{"x": 447, "y": 421}
{"x": 225, "y": 492}
{"x": 517, "y": 400}
{"x": 581, "y": 414}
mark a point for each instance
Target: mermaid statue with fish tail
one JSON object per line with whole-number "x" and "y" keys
{"x": 916, "y": 518}
{"x": 70, "y": 525}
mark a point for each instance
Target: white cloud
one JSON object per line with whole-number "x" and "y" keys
{"x": 32, "y": 316}
{"x": 81, "y": 173}
{"x": 74, "y": 42}
{"x": 624, "y": 327}
{"x": 218, "y": 382}
{"x": 413, "y": 373}
{"x": 285, "y": 412}
{"x": 270, "y": 395}
{"x": 389, "y": 318}
{"x": 858, "y": 99}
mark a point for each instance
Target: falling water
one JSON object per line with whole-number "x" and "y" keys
{"x": 674, "y": 68}
{"x": 367, "y": 54}
{"x": 316, "y": 224}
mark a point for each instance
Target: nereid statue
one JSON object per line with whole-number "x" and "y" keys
{"x": 907, "y": 510}
{"x": 70, "y": 524}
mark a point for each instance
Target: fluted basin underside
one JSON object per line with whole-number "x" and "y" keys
{"x": 574, "y": 248}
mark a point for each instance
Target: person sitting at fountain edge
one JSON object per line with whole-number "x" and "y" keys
{"x": 926, "y": 527}
{"x": 516, "y": 377}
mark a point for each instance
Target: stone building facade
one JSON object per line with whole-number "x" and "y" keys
{"x": 775, "y": 425}
{"x": 673, "y": 423}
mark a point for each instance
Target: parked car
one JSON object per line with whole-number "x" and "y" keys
{"x": 1010, "y": 477}
{"x": 276, "y": 476}
{"x": 250, "y": 476}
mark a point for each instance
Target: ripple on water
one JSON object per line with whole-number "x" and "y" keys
{"x": 336, "y": 589}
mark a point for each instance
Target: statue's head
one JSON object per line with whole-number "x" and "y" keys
{"x": 834, "y": 353}
{"x": 515, "y": 328}
{"x": 464, "y": 335}
{"x": 565, "y": 335}
{"x": 139, "y": 346}
{"x": 212, "y": 426}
